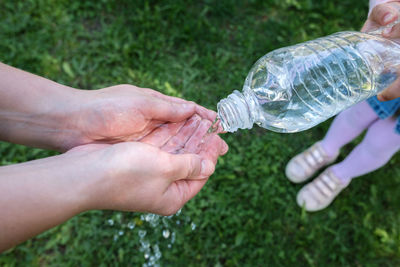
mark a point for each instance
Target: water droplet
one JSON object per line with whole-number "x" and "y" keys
{"x": 131, "y": 225}
{"x": 173, "y": 237}
{"x": 110, "y": 222}
{"x": 178, "y": 222}
{"x": 165, "y": 233}
{"x": 178, "y": 212}
{"x": 214, "y": 127}
{"x": 165, "y": 221}
{"x": 148, "y": 217}
{"x": 145, "y": 245}
{"x": 142, "y": 233}
{"x": 146, "y": 255}
{"x": 121, "y": 232}
{"x": 158, "y": 255}
{"x": 169, "y": 245}
{"x": 193, "y": 226}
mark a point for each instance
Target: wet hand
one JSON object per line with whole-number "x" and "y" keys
{"x": 127, "y": 113}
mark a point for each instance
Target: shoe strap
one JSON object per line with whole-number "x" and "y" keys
{"x": 326, "y": 185}
{"x": 313, "y": 158}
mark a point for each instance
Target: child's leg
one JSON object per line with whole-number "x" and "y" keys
{"x": 376, "y": 149}
{"x": 347, "y": 126}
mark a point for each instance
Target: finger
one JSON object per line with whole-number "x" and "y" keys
{"x": 170, "y": 111}
{"x": 384, "y": 14}
{"x": 214, "y": 141}
{"x": 391, "y": 92}
{"x": 202, "y": 111}
{"x": 212, "y": 148}
{"x": 178, "y": 193}
{"x": 224, "y": 148}
{"x": 189, "y": 189}
{"x": 369, "y": 25}
{"x": 392, "y": 32}
{"x": 189, "y": 166}
{"x": 193, "y": 145}
{"x": 206, "y": 113}
{"x": 161, "y": 135}
{"x": 178, "y": 141}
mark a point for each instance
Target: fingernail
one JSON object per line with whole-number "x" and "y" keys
{"x": 388, "y": 17}
{"x": 207, "y": 168}
{"x": 225, "y": 147}
{"x": 387, "y": 31}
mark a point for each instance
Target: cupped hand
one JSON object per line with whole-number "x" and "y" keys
{"x": 127, "y": 113}
{"x": 382, "y": 15}
{"x": 135, "y": 176}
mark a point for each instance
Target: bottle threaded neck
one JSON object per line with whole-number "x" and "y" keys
{"x": 234, "y": 112}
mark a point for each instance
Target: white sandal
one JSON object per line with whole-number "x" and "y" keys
{"x": 318, "y": 194}
{"x": 306, "y": 164}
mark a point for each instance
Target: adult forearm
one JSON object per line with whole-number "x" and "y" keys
{"x": 38, "y": 195}
{"x": 33, "y": 110}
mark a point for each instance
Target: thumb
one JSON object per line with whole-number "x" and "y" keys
{"x": 190, "y": 166}
{"x": 384, "y": 14}
{"x": 391, "y": 92}
{"x": 173, "y": 111}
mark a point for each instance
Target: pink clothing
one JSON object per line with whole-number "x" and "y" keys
{"x": 379, "y": 144}
{"x": 349, "y": 124}
{"x": 376, "y": 149}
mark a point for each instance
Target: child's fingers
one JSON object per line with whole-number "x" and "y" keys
{"x": 391, "y": 92}
{"x": 384, "y": 14}
{"x": 392, "y": 32}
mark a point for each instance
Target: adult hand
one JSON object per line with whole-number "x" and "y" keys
{"x": 129, "y": 176}
{"x": 37, "y": 112}
{"x": 382, "y": 15}
{"x": 142, "y": 177}
{"x": 129, "y": 113}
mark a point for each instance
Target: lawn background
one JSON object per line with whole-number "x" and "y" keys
{"x": 201, "y": 50}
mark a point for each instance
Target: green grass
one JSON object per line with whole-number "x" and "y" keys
{"x": 201, "y": 50}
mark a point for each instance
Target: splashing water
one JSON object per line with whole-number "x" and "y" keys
{"x": 153, "y": 232}
{"x": 215, "y": 126}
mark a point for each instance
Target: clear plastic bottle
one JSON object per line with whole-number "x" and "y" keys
{"x": 297, "y": 87}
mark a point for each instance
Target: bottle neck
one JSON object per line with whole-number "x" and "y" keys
{"x": 234, "y": 112}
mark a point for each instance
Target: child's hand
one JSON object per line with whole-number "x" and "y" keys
{"x": 382, "y": 15}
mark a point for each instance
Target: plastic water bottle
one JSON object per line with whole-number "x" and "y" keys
{"x": 297, "y": 87}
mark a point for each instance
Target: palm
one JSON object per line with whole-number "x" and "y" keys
{"x": 128, "y": 113}
{"x": 208, "y": 146}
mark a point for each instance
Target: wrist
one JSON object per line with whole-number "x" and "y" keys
{"x": 68, "y": 130}
{"x": 85, "y": 180}
{"x": 35, "y": 111}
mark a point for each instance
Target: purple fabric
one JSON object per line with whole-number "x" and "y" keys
{"x": 375, "y": 150}
{"x": 378, "y": 146}
{"x": 347, "y": 126}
